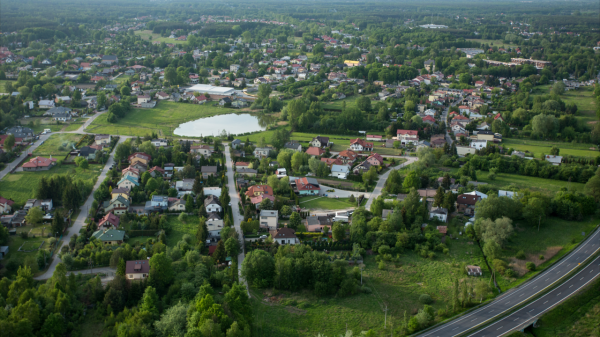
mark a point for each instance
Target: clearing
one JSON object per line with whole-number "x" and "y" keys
{"x": 148, "y": 35}
{"x": 537, "y": 147}
{"x": 326, "y": 203}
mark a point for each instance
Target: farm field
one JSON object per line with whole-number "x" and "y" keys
{"x": 398, "y": 286}
{"x": 165, "y": 118}
{"x": 57, "y": 145}
{"x": 538, "y": 147}
{"x": 506, "y": 181}
{"x": 21, "y": 186}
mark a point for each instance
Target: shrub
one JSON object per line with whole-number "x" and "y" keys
{"x": 425, "y": 299}
{"x": 541, "y": 257}
{"x": 509, "y": 273}
{"x": 381, "y": 265}
{"x": 366, "y": 290}
{"x": 500, "y": 266}
{"x": 520, "y": 255}
{"x": 530, "y": 266}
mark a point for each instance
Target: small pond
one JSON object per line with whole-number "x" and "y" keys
{"x": 234, "y": 124}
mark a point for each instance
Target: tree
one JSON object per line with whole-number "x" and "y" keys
{"x": 411, "y": 180}
{"x": 258, "y": 268}
{"x": 438, "y": 200}
{"x": 161, "y": 271}
{"x": 202, "y": 231}
{"x": 58, "y": 224}
{"x": 295, "y": 221}
{"x": 554, "y": 151}
{"x": 558, "y": 88}
{"x": 150, "y": 302}
{"x": 497, "y": 231}
{"x": 474, "y": 232}
{"x": 232, "y": 246}
{"x": 364, "y": 103}
{"x": 9, "y": 142}
{"x": 592, "y": 187}
{"x": 219, "y": 255}
{"x": 296, "y": 161}
{"x": 535, "y": 211}
{"x": 151, "y": 185}
{"x": 101, "y": 99}
{"x": 34, "y": 216}
{"x": 174, "y": 321}
{"x": 285, "y": 210}
{"x": 121, "y": 267}
{"x": 370, "y": 176}
{"x": 123, "y": 151}
{"x": 338, "y": 232}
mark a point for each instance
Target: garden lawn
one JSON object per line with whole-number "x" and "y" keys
{"x": 21, "y": 186}
{"x": 14, "y": 243}
{"x": 51, "y": 145}
{"x": 73, "y": 126}
{"x": 326, "y": 203}
{"x": 506, "y": 180}
{"x": 179, "y": 229}
{"x": 147, "y": 34}
{"x": 165, "y": 118}
{"x": 141, "y": 239}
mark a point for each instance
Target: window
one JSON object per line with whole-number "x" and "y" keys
{"x": 130, "y": 276}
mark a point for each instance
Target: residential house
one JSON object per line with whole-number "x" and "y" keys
{"x": 46, "y": 104}
{"x": 162, "y": 96}
{"x": 39, "y": 164}
{"x": 236, "y": 143}
{"x": 110, "y": 59}
{"x": 203, "y": 150}
{"x": 247, "y": 172}
{"x": 474, "y": 271}
{"x": 347, "y": 156}
{"x": 286, "y": 236}
{"x": 176, "y": 205}
{"x": 214, "y": 225}
{"x": 22, "y": 132}
{"x": 293, "y": 145}
{"x": 139, "y": 166}
{"x": 216, "y": 191}
{"x": 360, "y": 144}
{"x": 478, "y": 144}
{"x": 208, "y": 171}
{"x": 440, "y": 213}
{"x": 6, "y": 205}
{"x": 157, "y": 203}
{"x": 269, "y": 219}
{"x": 437, "y": 141}
{"x": 305, "y": 186}
{"x": 315, "y": 151}
{"x": 156, "y": 172}
{"x": 315, "y": 223}
{"x": 102, "y": 139}
{"x": 159, "y": 142}
{"x": 462, "y": 151}
{"x": 184, "y": 185}
{"x": 489, "y": 136}
{"x": 375, "y": 159}
{"x": 340, "y": 171}
{"x": 128, "y": 182}
{"x": 118, "y": 205}
{"x": 375, "y": 138}
{"x": 87, "y": 152}
{"x": 109, "y": 236}
{"x": 109, "y": 221}
{"x": 131, "y": 171}
{"x": 212, "y": 204}
{"x": 465, "y": 203}
{"x": 320, "y": 142}
{"x": 407, "y": 136}
{"x": 137, "y": 269}
{"x": 123, "y": 192}
{"x": 262, "y": 152}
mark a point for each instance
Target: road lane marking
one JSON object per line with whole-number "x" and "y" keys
{"x": 545, "y": 302}
{"x": 521, "y": 295}
{"x": 546, "y": 279}
{"x": 499, "y": 328}
{"x": 455, "y": 328}
{"x": 558, "y": 294}
{"x": 572, "y": 285}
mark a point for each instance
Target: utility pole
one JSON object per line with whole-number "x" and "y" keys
{"x": 385, "y": 321}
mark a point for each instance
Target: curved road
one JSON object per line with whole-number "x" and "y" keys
{"x": 530, "y": 313}
{"x": 383, "y": 178}
{"x": 522, "y": 294}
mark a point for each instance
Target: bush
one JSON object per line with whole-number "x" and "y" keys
{"x": 541, "y": 257}
{"x": 509, "y": 273}
{"x": 425, "y": 299}
{"x": 366, "y": 290}
{"x": 530, "y": 266}
{"x": 381, "y": 265}
{"x": 520, "y": 255}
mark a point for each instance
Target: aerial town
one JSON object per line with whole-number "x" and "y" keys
{"x": 344, "y": 169}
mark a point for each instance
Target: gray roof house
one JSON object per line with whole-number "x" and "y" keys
{"x": 184, "y": 185}
{"x": 293, "y": 145}
{"x": 20, "y": 132}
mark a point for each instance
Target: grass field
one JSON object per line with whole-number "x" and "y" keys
{"x": 497, "y": 43}
{"x": 21, "y": 186}
{"x": 179, "y": 229}
{"x": 506, "y": 180}
{"x": 21, "y": 257}
{"x": 165, "y": 118}
{"x": 73, "y": 126}
{"x": 398, "y": 287}
{"x": 576, "y": 317}
{"x": 2, "y": 84}
{"x": 326, "y": 203}
{"x": 38, "y": 124}
{"x": 538, "y": 147}
{"x": 147, "y": 34}
{"x": 583, "y": 97}
{"x": 51, "y": 145}
{"x": 140, "y": 239}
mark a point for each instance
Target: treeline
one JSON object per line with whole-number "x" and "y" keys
{"x": 63, "y": 190}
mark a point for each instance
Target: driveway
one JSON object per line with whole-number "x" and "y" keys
{"x": 80, "y": 221}
{"x": 235, "y": 209}
{"x": 383, "y": 178}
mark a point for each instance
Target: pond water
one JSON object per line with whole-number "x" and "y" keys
{"x": 234, "y": 124}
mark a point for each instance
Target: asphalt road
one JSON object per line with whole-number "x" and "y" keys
{"x": 530, "y": 313}
{"x": 382, "y": 179}
{"x": 235, "y": 209}
{"x": 521, "y": 294}
{"x": 32, "y": 147}
{"x": 80, "y": 221}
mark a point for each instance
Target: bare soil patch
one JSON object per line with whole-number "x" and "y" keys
{"x": 519, "y": 266}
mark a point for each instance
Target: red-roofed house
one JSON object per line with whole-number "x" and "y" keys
{"x": 39, "y": 164}
{"x": 6, "y": 205}
{"x": 156, "y": 172}
{"x": 306, "y": 186}
{"x": 257, "y": 190}
{"x": 347, "y": 156}
{"x": 375, "y": 159}
{"x": 498, "y": 116}
{"x": 360, "y": 144}
{"x": 139, "y": 156}
{"x": 108, "y": 221}
{"x": 408, "y": 136}
{"x": 376, "y": 138}
{"x": 315, "y": 151}
{"x": 331, "y": 161}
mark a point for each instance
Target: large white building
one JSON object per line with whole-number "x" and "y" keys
{"x": 212, "y": 90}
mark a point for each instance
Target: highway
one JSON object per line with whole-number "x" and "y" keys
{"x": 521, "y": 294}
{"x": 527, "y": 315}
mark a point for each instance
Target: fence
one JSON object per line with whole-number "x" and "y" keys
{"x": 142, "y": 232}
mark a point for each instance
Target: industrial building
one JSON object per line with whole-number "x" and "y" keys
{"x": 212, "y": 90}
